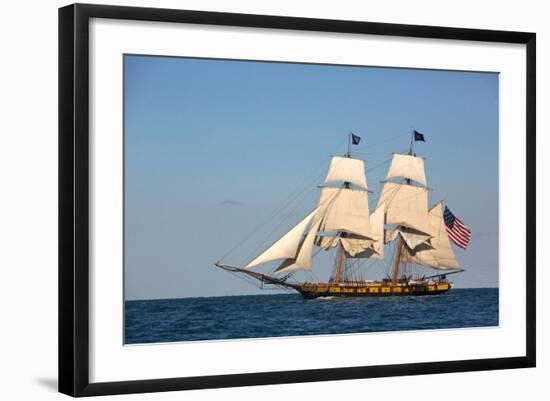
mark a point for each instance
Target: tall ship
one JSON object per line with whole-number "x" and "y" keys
{"x": 402, "y": 231}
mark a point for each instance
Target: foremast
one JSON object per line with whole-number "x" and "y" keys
{"x": 341, "y": 261}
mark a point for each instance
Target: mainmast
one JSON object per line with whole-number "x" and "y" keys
{"x": 339, "y": 266}
{"x": 398, "y": 168}
{"x": 412, "y": 143}
{"x": 420, "y": 232}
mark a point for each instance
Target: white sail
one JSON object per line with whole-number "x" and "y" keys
{"x": 305, "y": 253}
{"x": 439, "y": 253}
{"x": 390, "y": 235}
{"x": 413, "y": 238}
{"x": 327, "y": 242}
{"x": 347, "y": 210}
{"x": 340, "y": 209}
{"x": 302, "y": 259}
{"x": 407, "y": 166}
{"x": 287, "y": 246}
{"x": 346, "y": 169}
{"x": 377, "y": 226}
{"x": 406, "y": 205}
{"x": 352, "y": 246}
{"x": 358, "y": 247}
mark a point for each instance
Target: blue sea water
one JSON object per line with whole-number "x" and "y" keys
{"x": 274, "y": 315}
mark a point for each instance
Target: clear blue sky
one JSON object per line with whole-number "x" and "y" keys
{"x": 213, "y": 147}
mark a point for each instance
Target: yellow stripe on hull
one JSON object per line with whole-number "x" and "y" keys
{"x": 376, "y": 289}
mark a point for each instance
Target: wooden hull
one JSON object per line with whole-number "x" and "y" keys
{"x": 357, "y": 289}
{"x": 311, "y": 291}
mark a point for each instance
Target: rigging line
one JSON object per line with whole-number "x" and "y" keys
{"x": 278, "y": 225}
{"x": 365, "y": 153}
{"x": 387, "y": 140}
{"x": 314, "y": 276}
{"x": 271, "y": 216}
{"x": 283, "y": 205}
{"x": 291, "y": 198}
{"x": 247, "y": 279}
{"x": 381, "y": 156}
{"x": 259, "y": 246}
{"x": 356, "y": 267}
{"x": 369, "y": 169}
{"x": 369, "y": 145}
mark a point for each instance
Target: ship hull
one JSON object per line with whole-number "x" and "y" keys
{"x": 312, "y": 291}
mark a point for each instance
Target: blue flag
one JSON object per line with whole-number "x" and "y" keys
{"x": 418, "y": 136}
{"x": 355, "y": 139}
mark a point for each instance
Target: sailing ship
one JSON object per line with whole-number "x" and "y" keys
{"x": 342, "y": 222}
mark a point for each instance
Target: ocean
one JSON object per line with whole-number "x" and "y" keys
{"x": 276, "y": 315}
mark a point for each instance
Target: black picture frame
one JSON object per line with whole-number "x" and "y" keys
{"x": 74, "y": 198}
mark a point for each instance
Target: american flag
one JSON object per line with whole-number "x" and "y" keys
{"x": 456, "y": 230}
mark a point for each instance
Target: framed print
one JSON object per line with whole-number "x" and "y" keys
{"x": 297, "y": 199}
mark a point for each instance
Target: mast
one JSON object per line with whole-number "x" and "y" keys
{"x": 396, "y": 269}
{"x": 339, "y": 267}
{"x": 400, "y": 244}
{"x": 341, "y": 255}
